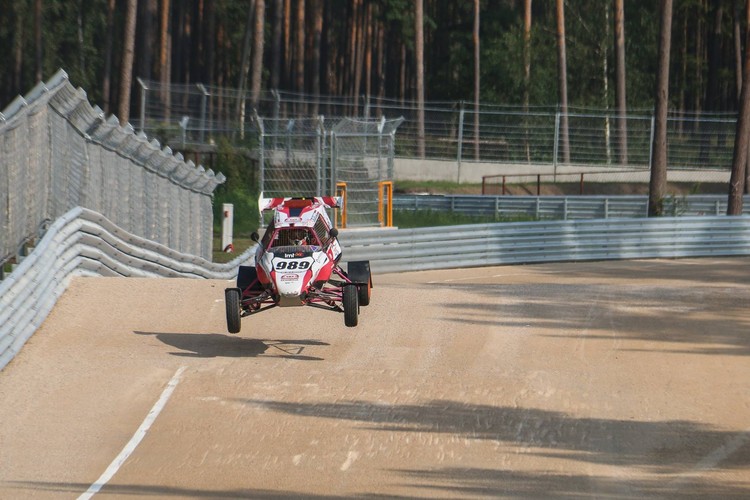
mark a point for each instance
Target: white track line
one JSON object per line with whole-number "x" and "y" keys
{"x": 136, "y": 439}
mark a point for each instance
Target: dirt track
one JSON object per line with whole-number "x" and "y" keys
{"x": 616, "y": 380}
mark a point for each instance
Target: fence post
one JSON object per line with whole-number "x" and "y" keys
{"x": 555, "y": 144}
{"x": 204, "y": 98}
{"x": 319, "y": 155}
{"x": 261, "y": 156}
{"x": 459, "y": 145}
{"x": 276, "y": 112}
{"x": 651, "y": 143}
{"x": 144, "y": 88}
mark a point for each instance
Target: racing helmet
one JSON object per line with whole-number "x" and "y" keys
{"x": 298, "y": 237}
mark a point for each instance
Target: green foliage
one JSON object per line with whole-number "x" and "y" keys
{"x": 240, "y": 188}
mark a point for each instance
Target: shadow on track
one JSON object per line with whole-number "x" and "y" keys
{"x": 215, "y": 345}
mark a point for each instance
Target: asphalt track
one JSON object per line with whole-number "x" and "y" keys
{"x": 589, "y": 380}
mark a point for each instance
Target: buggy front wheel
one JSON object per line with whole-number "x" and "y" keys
{"x": 232, "y": 301}
{"x": 351, "y": 305}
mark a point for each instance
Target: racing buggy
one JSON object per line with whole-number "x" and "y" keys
{"x": 297, "y": 264}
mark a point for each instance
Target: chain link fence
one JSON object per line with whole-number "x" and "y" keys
{"x": 456, "y": 131}
{"x": 59, "y": 152}
{"x": 316, "y": 157}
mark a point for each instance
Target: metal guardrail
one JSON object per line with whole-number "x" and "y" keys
{"x": 555, "y": 241}
{"x": 565, "y": 207}
{"x": 85, "y": 243}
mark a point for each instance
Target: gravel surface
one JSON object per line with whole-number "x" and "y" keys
{"x": 605, "y": 380}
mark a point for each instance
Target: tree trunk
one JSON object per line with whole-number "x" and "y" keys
{"x": 300, "y": 52}
{"x": 165, "y": 50}
{"x": 737, "y": 32}
{"x": 126, "y": 74}
{"x": 369, "y": 21}
{"x": 620, "y": 90}
{"x": 562, "y": 71}
{"x": 357, "y": 53}
{"x": 714, "y": 58}
{"x": 107, "y": 79}
{"x": 276, "y": 34}
{"x": 381, "y": 71}
{"x": 740, "y": 157}
{"x": 210, "y": 44}
{"x": 147, "y": 39}
{"x": 658, "y": 183}
{"x": 258, "y": 39}
{"x": 38, "y": 42}
{"x": 245, "y": 65}
{"x": 526, "y": 72}
{"x": 317, "y": 8}
{"x": 18, "y": 49}
{"x": 477, "y": 78}
{"x": 419, "y": 54}
{"x": 288, "y": 56}
{"x": 747, "y": 168}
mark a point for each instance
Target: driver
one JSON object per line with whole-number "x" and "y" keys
{"x": 299, "y": 237}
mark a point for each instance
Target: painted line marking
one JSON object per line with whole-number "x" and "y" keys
{"x": 136, "y": 439}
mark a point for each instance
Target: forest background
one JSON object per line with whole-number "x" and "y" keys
{"x": 367, "y": 47}
{"x": 548, "y": 52}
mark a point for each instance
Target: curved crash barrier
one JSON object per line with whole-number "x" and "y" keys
{"x": 85, "y": 243}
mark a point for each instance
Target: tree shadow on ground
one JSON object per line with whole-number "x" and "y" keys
{"x": 456, "y": 482}
{"x": 666, "y": 447}
{"x": 703, "y": 316}
{"x": 214, "y": 345}
{"x": 475, "y": 482}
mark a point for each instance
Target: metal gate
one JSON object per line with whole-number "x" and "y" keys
{"x": 315, "y": 157}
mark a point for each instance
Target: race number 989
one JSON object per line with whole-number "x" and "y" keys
{"x": 292, "y": 265}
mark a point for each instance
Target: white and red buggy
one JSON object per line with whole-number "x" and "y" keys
{"x": 297, "y": 264}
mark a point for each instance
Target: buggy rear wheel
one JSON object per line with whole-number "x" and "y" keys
{"x": 351, "y": 305}
{"x": 364, "y": 293}
{"x": 232, "y": 301}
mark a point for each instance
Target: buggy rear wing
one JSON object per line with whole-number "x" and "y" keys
{"x": 274, "y": 203}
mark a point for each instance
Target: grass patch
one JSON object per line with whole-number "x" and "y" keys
{"x": 240, "y": 245}
{"x": 436, "y": 187}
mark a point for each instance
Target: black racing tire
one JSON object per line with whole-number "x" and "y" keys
{"x": 364, "y": 293}
{"x": 359, "y": 273}
{"x": 232, "y": 301}
{"x": 351, "y": 305}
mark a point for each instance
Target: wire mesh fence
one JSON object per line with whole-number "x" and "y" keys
{"x": 458, "y": 131}
{"x": 59, "y": 152}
